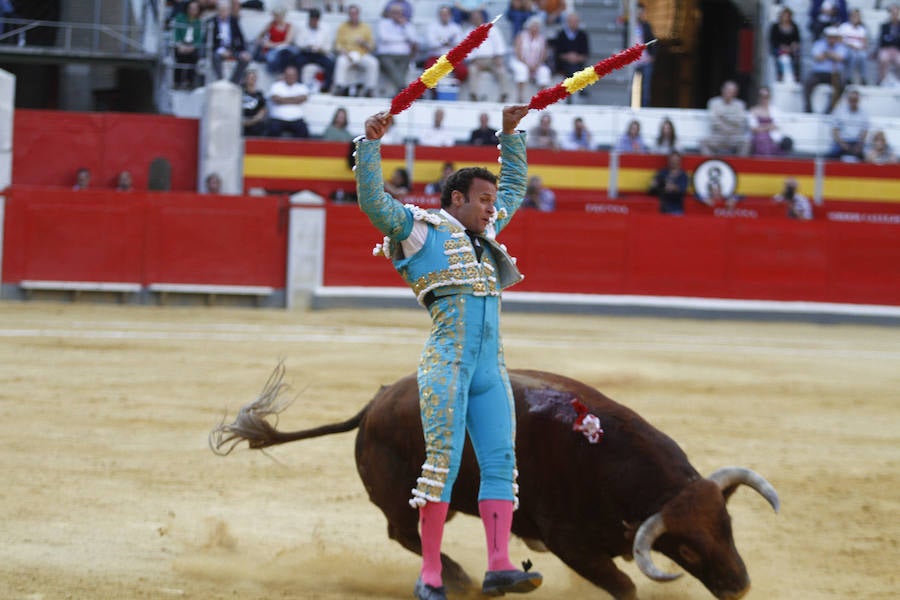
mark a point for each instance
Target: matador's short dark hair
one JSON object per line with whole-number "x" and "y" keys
{"x": 462, "y": 181}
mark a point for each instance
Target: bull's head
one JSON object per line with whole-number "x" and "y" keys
{"x": 694, "y": 530}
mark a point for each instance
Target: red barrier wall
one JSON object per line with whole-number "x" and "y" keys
{"x": 143, "y": 237}
{"x": 649, "y": 254}
{"x": 50, "y": 146}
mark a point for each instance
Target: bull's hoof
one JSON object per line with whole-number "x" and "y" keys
{"x": 423, "y": 591}
{"x": 497, "y": 583}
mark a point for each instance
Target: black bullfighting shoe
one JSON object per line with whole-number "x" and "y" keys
{"x": 423, "y": 591}
{"x": 497, "y": 583}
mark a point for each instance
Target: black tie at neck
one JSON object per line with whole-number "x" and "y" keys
{"x": 476, "y": 243}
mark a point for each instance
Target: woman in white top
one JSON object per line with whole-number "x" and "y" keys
{"x": 530, "y": 60}
{"x": 856, "y": 37}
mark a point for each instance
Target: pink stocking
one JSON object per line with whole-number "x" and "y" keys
{"x": 497, "y": 518}
{"x": 431, "y": 523}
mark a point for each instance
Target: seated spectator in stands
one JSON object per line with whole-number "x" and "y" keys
{"x": 286, "y": 113}
{"x": 403, "y": 4}
{"x": 824, "y": 14}
{"x": 784, "y": 46}
{"x": 438, "y": 135}
{"x": 489, "y": 57}
{"x": 398, "y": 185}
{"x": 666, "y": 140}
{"x": 396, "y": 47}
{"x": 529, "y": 60}
{"x": 124, "y": 182}
{"x": 462, "y": 10}
{"x": 631, "y": 141}
{"x": 227, "y": 42}
{"x": 643, "y": 33}
{"x": 82, "y": 179}
{"x": 441, "y": 36}
{"x": 727, "y": 124}
{"x": 354, "y": 44}
{"x": 798, "y": 205}
{"x": 253, "y": 106}
{"x": 879, "y": 151}
{"x": 571, "y": 47}
{"x": 187, "y": 32}
{"x": 436, "y": 187}
{"x": 829, "y": 60}
{"x": 314, "y": 43}
{"x": 543, "y": 136}
{"x": 855, "y": 36}
{"x": 551, "y": 10}
{"x": 850, "y": 126}
{"x": 579, "y": 138}
{"x": 765, "y": 137}
{"x": 273, "y": 45}
{"x": 539, "y": 197}
{"x": 329, "y": 7}
{"x": 670, "y": 184}
{"x": 518, "y": 12}
{"x": 485, "y": 135}
{"x": 213, "y": 183}
{"x": 889, "y": 46}
{"x": 337, "y": 130}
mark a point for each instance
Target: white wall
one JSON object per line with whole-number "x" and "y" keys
{"x": 221, "y": 145}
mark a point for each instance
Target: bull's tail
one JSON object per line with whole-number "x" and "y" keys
{"x": 251, "y": 423}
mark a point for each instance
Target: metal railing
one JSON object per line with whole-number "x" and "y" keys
{"x": 30, "y": 36}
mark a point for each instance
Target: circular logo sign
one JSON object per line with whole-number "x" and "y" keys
{"x": 712, "y": 173}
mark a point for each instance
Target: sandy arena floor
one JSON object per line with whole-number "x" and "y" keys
{"x": 111, "y": 491}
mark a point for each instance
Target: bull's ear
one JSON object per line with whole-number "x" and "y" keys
{"x": 728, "y": 491}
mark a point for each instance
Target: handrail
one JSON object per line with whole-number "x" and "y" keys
{"x": 128, "y": 36}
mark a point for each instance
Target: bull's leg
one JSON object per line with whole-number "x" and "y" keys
{"x": 406, "y": 533}
{"x": 602, "y": 572}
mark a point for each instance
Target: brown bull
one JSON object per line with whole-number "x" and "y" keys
{"x": 586, "y": 502}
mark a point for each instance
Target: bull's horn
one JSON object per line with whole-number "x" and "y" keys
{"x": 729, "y": 476}
{"x": 646, "y": 534}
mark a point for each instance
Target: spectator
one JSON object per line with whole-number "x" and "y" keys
{"x": 539, "y": 197}
{"x": 124, "y": 182}
{"x": 253, "y": 106}
{"x": 213, "y": 183}
{"x": 551, "y": 10}
{"x": 462, "y": 10}
{"x": 889, "y": 46}
{"x": 286, "y": 97}
{"x": 824, "y": 14}
{"x": 442, "y": 35}
{"x": 273, "y": 45}
{"x": 631, "y": 141}
{"x": 405, "y": 5}
{"x": 337, "y": 130}
{"x": 829, "y": 57}
{"x": 670, "y": 184}
{"x": 438, "y": 134}
{"x": 579, "y": 138}
{"x": 850, "y": 125}
{"x": 339, "y": 4}
{"x": 855, "y": 36}
{"x": 188, "y": 40}
{"x": 765, "y": 137}
{"x": 643, "y": 33}
{"x": 398, "y": 185}
{"x": 543, "y": 136}
{"x": 485, "y": 135}
{"x": 227, "y": 42}
{"x": 82, "y": 179}
{"x": 666, "y": 140}
{"x": 354, "y": 44}
{"x": 784, "y": 46}
{"x": 879, "y": 151}
{"x": 798, "y": 205}
{"x": 571, "y": 47}
{"x": 518, "y": 12}
{"x": 396, "y": 47}
{"x": 314, "y": 45}
{"x": 489, "y": 57}
{"x": 727, "y": 123}
{"x": 529, "y": 62}
{"x": 436, "y": 187}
